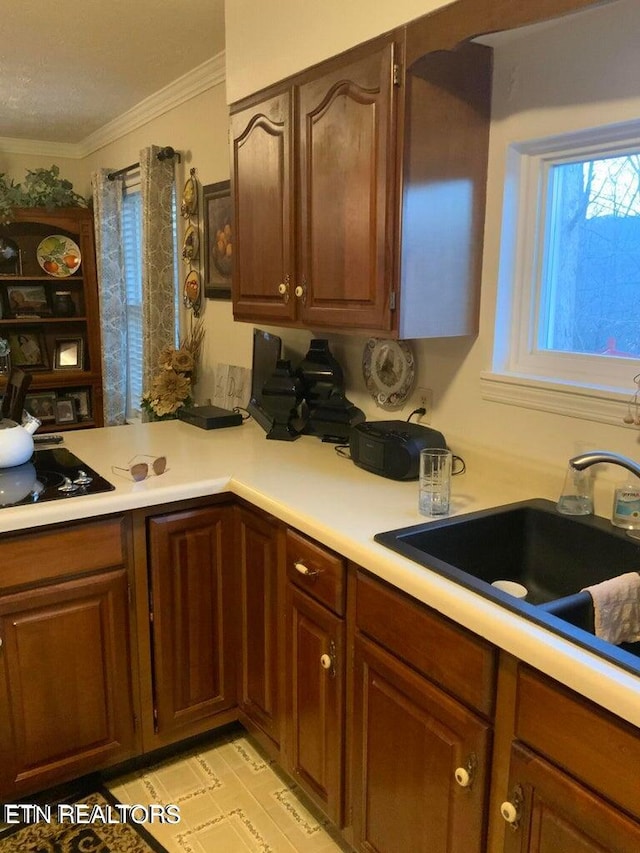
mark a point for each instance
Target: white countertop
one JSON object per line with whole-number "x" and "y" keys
{"x": 306, "y": 484}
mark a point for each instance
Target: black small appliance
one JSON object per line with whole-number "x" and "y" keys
{"x": 392, "y": 448}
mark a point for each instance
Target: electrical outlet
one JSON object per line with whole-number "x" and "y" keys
{"x": 423, "y": 398}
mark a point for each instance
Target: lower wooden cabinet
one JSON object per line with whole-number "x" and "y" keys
{"x": 65, "y": 681}
{"x": 420, "y": 765}
{"x": 260, "y": 593}
{"x": 315, "y": 700}
{"x": 193, "y": 619}
{"x": 549, "y": 812}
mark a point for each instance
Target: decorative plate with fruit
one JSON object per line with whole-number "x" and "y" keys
{"x": 58, "y": 255}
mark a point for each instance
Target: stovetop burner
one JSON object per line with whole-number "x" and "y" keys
{"x": 50, "y": 475}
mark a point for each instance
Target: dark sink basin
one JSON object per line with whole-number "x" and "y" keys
{"x": 554, "y": 556}
{"x": 550, "y": 554}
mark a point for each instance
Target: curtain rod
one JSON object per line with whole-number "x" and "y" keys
{"x": 166, "y": 153}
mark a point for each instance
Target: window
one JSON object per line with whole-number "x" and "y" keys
{"x": 132, "y": 237}
{"x": 568, "y": 308}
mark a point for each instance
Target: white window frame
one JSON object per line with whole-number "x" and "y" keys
{"x": 580, "y": 385}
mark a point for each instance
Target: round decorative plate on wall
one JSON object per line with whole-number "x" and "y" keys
{"x": 388, "y": 368}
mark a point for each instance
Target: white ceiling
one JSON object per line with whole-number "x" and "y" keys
{"x": 68, "y": 68}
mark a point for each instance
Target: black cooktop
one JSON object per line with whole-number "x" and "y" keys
{"x": 51, "y": 474}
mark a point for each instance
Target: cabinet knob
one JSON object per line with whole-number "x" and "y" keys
{"x": 328, "y": 661}
{"x": 511, "y": 810}
{"x": 301, "y": 291}
{"x": 464, "y": 776}
{"x": 283, "y": 289}
{"x": 299, "y": 566}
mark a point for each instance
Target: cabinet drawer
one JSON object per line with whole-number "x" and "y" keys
{"x": 320, "y": 572}
{"x": 33, "y": 557}
{"x": 594, "y": 746}
{"x": 460, "y": 662}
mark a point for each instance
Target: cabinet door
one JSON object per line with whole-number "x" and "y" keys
{"x": 65, "y": 691}
{"x": 553, "y": 813}
{"x": 192, "y": 607}
{"x": 409, "y": 740}
{"x": 347, "y": 170}
{"x": 315, "y": 693}
{"x": 257, "y": 563}
{"x": 264, "y": 260}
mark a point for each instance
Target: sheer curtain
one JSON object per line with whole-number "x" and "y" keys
{"x": 158, "y": 259}
{"x": 107, "y": 207}
{"x": 157, "y": 183}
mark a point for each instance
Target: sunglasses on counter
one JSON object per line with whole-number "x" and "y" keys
{"x": 141, "y": 470}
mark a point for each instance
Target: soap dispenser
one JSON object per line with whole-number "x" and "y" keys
{"x": 626, "y": 504}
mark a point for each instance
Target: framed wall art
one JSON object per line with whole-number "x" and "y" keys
{"x": 27, "y": 300}
{"x": 42, "y": 406}
{"x": 28, "y": 350}
{"x": 65, "y": 411}
{"x": 82, "y": 402}
{"x": 68, "y": 354}
{"x": 218, "y": 240}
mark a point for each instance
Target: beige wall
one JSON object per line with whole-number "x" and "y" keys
{"x": 15, "y": 167}
{"x": 267, "y": 41}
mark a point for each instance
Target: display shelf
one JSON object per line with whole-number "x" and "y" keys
{"x": 59, "y": 343}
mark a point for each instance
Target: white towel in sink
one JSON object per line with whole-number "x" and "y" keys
{"x": 616, "y": 606}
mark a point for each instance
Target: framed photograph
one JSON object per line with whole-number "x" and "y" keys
{"x": 65, "y": 411}
{"x": 218, "y": 240}
{"x": 42, "y": 406}
{"x": 28, "y": 300}
{"x": 82, "y": 404}
{"x": 28, "y": 350}
{"x": 68, "y": 354}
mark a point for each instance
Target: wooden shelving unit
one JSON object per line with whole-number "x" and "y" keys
{"x": 65, "y": 355}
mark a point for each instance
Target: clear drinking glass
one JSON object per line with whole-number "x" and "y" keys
{"x": 576, "y": 497}
{"x": 435, "y": 481}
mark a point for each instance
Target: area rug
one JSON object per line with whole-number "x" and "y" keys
{"x": 65, "y": 837}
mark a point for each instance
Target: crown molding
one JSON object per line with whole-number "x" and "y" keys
{"x": 13, "y": 145}
{"x": 205, "y": 76}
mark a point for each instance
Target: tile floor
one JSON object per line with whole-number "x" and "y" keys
{"x": 231, "y": 799}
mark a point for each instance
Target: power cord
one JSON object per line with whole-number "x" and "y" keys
{"x": 238, "y": 411}
{"x": 421, "y": 412}
{"x": 343, "y": 450}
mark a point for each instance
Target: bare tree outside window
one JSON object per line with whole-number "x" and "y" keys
{"x": 590, "y": 282}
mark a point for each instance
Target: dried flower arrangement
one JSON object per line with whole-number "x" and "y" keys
{"x": 172, "y": 386}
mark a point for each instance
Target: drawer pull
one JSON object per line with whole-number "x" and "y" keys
{"x": 299, "y": 566}
{"x": 511, "y": 810}
{"x": 464, "y": 776}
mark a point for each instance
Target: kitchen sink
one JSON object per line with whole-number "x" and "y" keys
{"x": 553, "y": 556}
{"x": 530, "y": 543}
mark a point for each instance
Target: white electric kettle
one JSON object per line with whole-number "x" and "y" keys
{"x": 16, "y": 441}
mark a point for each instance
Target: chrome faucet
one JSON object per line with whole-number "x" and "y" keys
{"x": 592, "y": 457}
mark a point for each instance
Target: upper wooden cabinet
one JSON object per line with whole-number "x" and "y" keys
{"x": 358, "y": 189}
{"x": 312, "y": 166}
